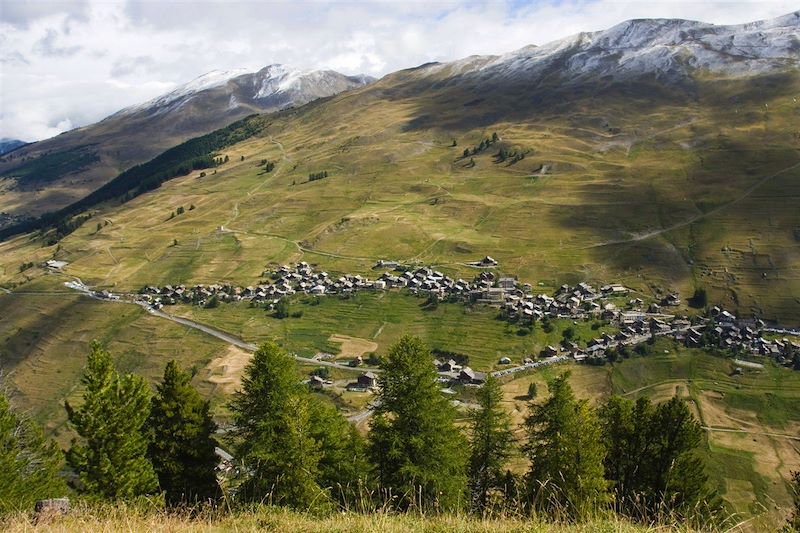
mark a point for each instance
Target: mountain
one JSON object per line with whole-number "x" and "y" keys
{"x": 7, "y": 145}
{"x": 49, "y": 174}
{"x": 668, "y": 50}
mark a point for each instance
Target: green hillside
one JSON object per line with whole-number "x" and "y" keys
{"x": 654, "y": 190}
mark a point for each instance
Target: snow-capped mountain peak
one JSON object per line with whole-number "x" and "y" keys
{"x": 668, "y": 49}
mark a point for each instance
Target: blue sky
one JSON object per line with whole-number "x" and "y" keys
{"x": 67, "y": 64}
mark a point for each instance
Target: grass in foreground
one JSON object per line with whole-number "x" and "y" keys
{"x": 132, "y": 519}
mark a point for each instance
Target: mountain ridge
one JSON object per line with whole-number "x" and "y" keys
{"x": 55, "y": 172}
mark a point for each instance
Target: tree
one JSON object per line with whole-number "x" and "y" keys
{"x": 181, "y": 444}
{"x": 494, "y": 137}
{"x": 212, "y": 302}
{"x": 29, "y": 463}
{"x": 700, "y": 298}
{"x": 278, "y": 452}
{"x": 566, "y": 454}
{"x": 419, "y": 453}
{"x": 793, "y": 524}
{"x": 532, "y": 391}
{"x": 282, "y": 308}
{"x": 654, "y": 467}
{"x": 344, "y": 471}
{"x": 111, "y": 456}
{"x": 490, "y": 446}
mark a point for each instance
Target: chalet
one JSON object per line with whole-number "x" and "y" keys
{"x": 449, "y": 366}
{"x": 507, "y": 283}
{"x": 505, "y": 360}
{"x": 368, "y": 380}
{"x": 467, "y": 376}
{"x": 316, "y": 383}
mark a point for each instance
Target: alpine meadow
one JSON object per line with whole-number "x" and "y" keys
{"x": 556, "y": 289}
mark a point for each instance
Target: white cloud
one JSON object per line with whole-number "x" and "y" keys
{"x": 65, "y": 64}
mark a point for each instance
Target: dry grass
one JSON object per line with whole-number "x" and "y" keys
{"x": 122, "y": 518}
{"x": 353, "y": 346}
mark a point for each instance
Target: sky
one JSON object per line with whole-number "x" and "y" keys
{"x": 67, "y": 64}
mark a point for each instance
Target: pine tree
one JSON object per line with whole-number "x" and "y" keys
{"x": 275, "y": 443}
{"x": 111, "y": 459}
{"x": 181, "y": 445}
{"x": 419, "y": 454}
{"x": 29, "y": 463}
{"x": 490, "y": 445}
{"x": 566, "y": 454}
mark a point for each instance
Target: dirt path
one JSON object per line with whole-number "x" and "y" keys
{"x": 692, "y": 220}
{"x": 750, "y": 432}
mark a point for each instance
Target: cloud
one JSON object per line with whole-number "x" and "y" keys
{"x": 72, "y": 63}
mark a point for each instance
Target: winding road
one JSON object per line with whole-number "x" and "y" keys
{"x": 221, "y": 335}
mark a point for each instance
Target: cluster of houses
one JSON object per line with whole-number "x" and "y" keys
{"x": 516, "y": 300}
{"x": 725, "y": 331}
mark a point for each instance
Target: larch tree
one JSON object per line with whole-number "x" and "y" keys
{"x": 793, "y": 523}
{"x": 566, "y": 454}
{"x": 344, "y": 471}
{"x": 420, "y": 456}
{"x": 276, "y": 447}
{"x": 182, "y": 447}
{"x": 655, "y": 467}
{"x": 29, "y": 464}
{"x": 110, "y": 457}
{"x": 490, "y": 446}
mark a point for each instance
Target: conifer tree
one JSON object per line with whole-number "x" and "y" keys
{"x": 490, "y": 445}
{"x": 793, "y": 524}
{"x": 181, "y": 445}
{"x": 566, "y": 453}
{"x": 29, "y": 463}
{"x": 655, "y": 467}
{"x": 344, "y": 471}
{"x": 111, "y": 457}
{"x": 275, "y": 443}
{"x": 419, "y": 454}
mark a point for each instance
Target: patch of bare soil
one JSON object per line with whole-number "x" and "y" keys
{"x": 226, "y": 371}
{"x": 352, "y": 347}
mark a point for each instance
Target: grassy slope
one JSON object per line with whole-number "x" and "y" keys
{"x": 399, "y": 190}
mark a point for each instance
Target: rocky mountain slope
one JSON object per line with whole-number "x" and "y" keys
{"x": 668, "y": 50}
{"x": 50, "y": 174}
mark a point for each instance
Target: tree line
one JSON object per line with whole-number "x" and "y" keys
{"x": 292, "y": 449}
{"x": 196, "y": 153}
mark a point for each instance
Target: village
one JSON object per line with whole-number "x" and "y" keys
{"x": 638, "y": 322}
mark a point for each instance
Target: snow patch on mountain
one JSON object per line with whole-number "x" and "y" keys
{"x": 669, "y": 49}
